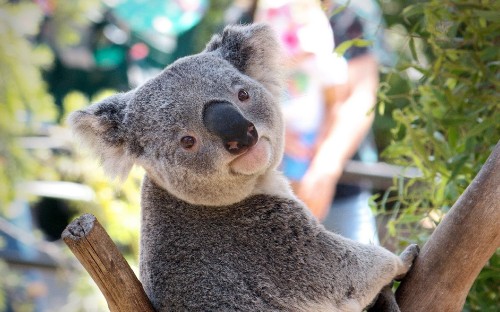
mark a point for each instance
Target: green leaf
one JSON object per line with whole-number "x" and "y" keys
{"x": 489, "y": 15}
{"x": 413, "y": 49}
{"x": 451, "y": 83}
{"x": 412, "y": 10}
{"x": 340, "y": 8}
{"x": 452, "y": 136}
{"x": 341, "y": 48}
{"x": 479, "y": 128}
{"x": 381, "y": 108}
{"x": 408, "y": 218}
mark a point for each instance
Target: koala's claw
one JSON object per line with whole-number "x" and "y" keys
{"x": 408, "y": 256}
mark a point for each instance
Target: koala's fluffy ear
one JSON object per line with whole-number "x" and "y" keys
{"x": 100, "y": 127}
{"x": 252, "y": 49}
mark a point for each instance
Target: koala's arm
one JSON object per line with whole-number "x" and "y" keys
{"x": 386, "y": 300}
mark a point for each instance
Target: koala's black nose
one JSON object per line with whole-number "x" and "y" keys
{"x": 237, "y": 133}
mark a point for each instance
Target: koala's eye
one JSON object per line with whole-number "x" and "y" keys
{"x": 187, "y": 142}
{"x": 243, "y": 95}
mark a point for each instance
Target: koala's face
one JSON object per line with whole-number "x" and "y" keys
{"x": 206, "y": 128}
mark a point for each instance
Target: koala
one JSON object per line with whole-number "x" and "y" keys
{"x": 221, "y": 230}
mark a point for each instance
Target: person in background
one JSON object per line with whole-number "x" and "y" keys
{"x": 313, "y": 72}
{"x": 349, "y": 136}
{"x": 328, "y": 106}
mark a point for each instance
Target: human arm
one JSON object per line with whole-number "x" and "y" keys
{"x": 348, "y": 121}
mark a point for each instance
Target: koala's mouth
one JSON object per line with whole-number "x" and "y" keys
{"x": 254, "y": 160}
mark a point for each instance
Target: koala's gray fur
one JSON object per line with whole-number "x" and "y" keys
{"x": 222, "y": 231}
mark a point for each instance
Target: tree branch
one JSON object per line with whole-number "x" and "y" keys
{"x": 452, "y": 258}
{"x": 95, "y": 250}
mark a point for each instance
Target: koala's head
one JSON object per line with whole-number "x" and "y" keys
{"x": 205, "y": 129}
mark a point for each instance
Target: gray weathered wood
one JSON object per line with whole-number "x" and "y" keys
{"x": 95, "y": 250}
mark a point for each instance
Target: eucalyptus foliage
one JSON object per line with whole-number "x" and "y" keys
{"x": 446, "y": 109}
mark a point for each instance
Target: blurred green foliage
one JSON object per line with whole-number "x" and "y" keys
{"x": 24, "y": 100}
{"x": 25, "y": 103}
{"x": 444, "y": 100}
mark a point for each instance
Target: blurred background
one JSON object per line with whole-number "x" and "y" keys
{"x": 437, "y": 120}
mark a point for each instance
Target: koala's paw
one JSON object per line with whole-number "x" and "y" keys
{"x": 408, "y": 256}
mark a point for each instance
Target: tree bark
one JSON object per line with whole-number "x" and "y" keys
{"x": 95, "y": 250}
{"x": 460, "y": 246}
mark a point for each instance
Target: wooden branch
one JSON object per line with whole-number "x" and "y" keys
{"x": 458, "y": 249}
{"x": 95, "y": 250}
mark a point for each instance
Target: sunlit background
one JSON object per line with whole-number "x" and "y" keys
{"x": 437, "y": 114}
